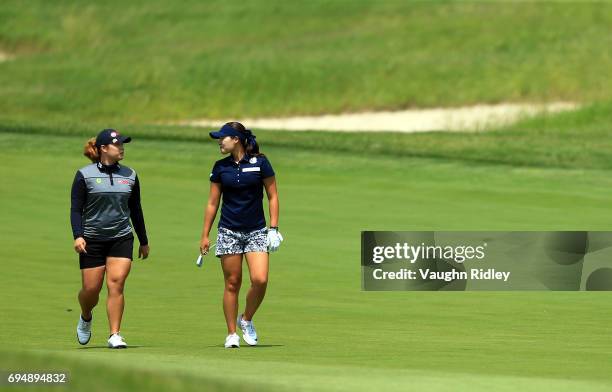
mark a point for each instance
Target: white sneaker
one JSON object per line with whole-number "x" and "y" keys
{"x": 232, "y": 341}
{"x": 84, "y": 330}
{"x": 248, "y": 331}
{"x": 116, "y": 341}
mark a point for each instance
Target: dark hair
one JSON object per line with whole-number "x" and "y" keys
{"x": 248, "y": 141}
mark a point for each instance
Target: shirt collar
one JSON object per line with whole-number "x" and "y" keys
{"x": 245, "y": 158}
{"x": 108, "y": 168}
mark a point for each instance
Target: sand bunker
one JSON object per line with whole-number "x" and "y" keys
{"x": 5, "y": 56}
{"x": 414, "y": 120}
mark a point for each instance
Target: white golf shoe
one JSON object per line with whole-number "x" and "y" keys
{"x": 248, "y": 331}
{"x": 84, "y": 330}
{"x": 232, "y": 341}
{"x": 116, "y": 341}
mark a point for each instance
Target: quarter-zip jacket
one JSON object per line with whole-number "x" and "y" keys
{"x": 103, "y": 200}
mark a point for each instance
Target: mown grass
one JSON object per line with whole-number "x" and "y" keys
{"x": 152, "y": 60}
{"x": 317, "y": 330}
{"x": 80, "y": 375}
{"x": 80, "y": 67}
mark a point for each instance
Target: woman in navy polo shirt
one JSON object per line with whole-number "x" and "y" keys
{"x": 240, "y": 179}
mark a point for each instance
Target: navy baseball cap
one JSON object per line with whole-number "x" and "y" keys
{"x": 111, "y": 136}
{"x": 226, "y": 130}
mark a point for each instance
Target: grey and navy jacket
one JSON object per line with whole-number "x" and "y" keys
{"x": 103, "y": 200}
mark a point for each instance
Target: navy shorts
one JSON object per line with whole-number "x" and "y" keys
{"x": 239, "y": 242}
{"x": 98, "y": 251}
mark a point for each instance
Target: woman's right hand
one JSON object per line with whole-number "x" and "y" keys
{"x": 204, "y": 245}
{"x": 79, "y": 245}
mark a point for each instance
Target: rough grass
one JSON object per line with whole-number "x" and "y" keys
{"x": 152, "y": 60}
{"x": 578, "y": 140}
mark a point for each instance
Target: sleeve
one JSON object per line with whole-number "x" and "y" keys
{"x": 136, "y": 214}
{"x": 266, "y": 168}
{"x": 78, "y": 197}
{"x": 215, "y": 175}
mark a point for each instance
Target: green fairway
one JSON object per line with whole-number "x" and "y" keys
{"x": 318, "y": 330}
{"x": 70, "y": 68}
{"x": 146, "y": 61}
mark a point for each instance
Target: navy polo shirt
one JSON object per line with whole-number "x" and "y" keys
{"x": 242, "y": 191}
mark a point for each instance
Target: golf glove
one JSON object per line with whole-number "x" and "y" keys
{"x": 274, "y": 240}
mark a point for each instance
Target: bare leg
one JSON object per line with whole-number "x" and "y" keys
{"x": 117, "y": 270}
{"x": 232, "y": 273}
{"x": 89, "y": 294}
{"x": 258, "y": 269}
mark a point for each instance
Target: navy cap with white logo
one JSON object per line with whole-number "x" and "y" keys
{"x": 111, "y": 136}
{"x": 226, "y": 130}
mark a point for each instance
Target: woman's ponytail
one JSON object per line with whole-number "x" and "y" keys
{"x": 91, "y": 151}
{"x": 251, "y": 146}
{"x": 248, "y": 141}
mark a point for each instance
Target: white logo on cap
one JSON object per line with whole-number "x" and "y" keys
{"x": 114, "y": 140}
{"x": 253, "y": 160}
{"x": 113, "y": 134}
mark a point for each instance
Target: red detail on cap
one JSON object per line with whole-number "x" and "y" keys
{"x": 127, "y": 182}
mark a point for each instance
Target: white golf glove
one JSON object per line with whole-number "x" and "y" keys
{"x": 274, "y": 240}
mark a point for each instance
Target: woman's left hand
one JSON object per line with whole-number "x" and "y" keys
{"x": 143, "y": 251}
{"x": 274, "y": 240}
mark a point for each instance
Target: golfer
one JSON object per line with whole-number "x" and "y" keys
{"x": 105, "y": 195}
{"x": 240, "y": 179}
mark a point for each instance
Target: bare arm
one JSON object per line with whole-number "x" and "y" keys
{"x": 270, "y": 185}
{"x": 212, "y": 206}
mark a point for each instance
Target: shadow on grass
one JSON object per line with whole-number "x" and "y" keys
{"x": 105, "y": 348}
{"x": 247, "y": 346}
